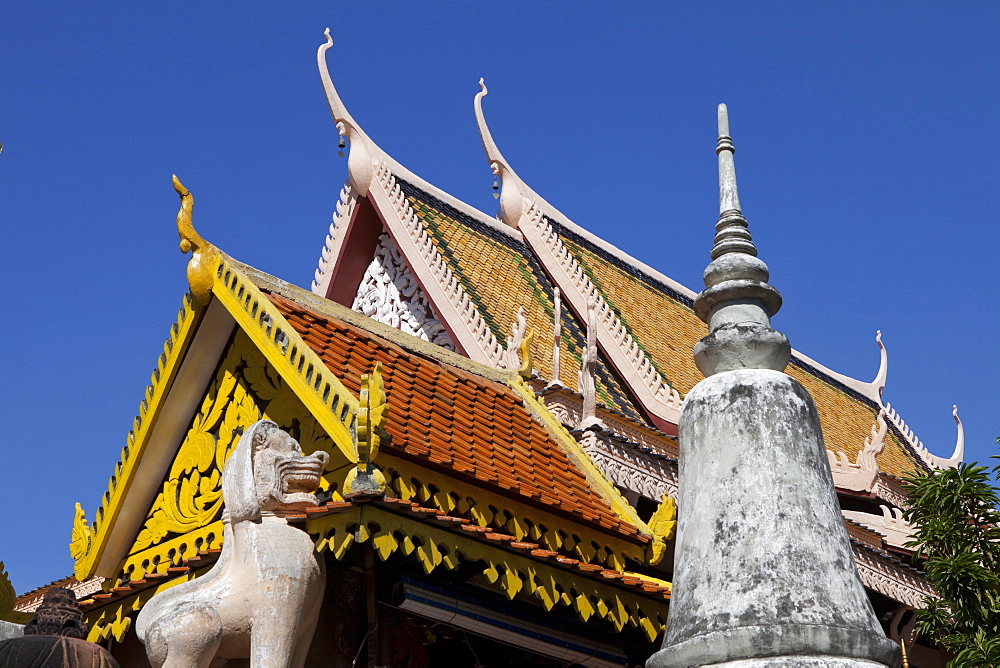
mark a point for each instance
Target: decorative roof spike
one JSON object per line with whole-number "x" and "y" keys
{"x": 359, "y": 160}
{"x": 556, "y": 335}
{"x": 204, "y": 256}
{"x": 959, "y": 452}
{"x": 732, "y": 235}
{"x": 588, "y": 360}
{"x": 883, "y": 365}
{"x": 513, "y": 203}
{"x": 366, "y": 477}
{"x": 737, "y": 302}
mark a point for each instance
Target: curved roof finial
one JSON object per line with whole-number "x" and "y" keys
{"x": 359, "y": 162}
{"x": 883, "y": 366}
{"x": 959, "y": 452}
{"x": 512, "y": 196}
{"x": 204, "y": 256}
{"x": 492, "y": 152}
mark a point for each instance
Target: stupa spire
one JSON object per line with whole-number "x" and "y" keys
{"x": 732, "y": 235}
{"x": 737, "y": 302}
{"x": 763, "y": 572}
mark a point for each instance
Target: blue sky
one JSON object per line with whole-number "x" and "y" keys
{"x": 866, "y": 155}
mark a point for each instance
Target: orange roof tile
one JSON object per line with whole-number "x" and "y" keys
{"x": 450, "y": 419}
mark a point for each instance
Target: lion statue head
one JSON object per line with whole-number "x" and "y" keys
{"x": 268, "y": 472}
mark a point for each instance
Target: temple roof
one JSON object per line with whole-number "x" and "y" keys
{"x": 469, "y": 425}
{"x": 478, "y": 270}
{"x": 500, "y": 273}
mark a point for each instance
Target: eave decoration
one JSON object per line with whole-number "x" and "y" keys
{"x": 510, "y": 573}
{"x": 374, "y": 410}
{"x": 664, "y": 524}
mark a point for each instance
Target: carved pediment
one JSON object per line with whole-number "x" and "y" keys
{"x": 390, "y": 294}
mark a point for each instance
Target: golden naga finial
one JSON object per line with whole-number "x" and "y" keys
{"x": 663, "y": 523}
{"x": 201, "y": 267}
{"x": 372, "y": 415}
{"x": 80, "y": 542}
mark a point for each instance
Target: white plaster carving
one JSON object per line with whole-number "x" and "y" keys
{"x": 567, "y": 407}
{"x": 390, "y": 294}
{"x": 556, "y": 335}
{"x": 861, "y": 475}
{"x": 81, "y": 589}
{"x": 888, "y": 490}
{"x": 588, "y": 358}
{"x": 512, "y": 353}
{"x": 334, "y": 240}
{"x": 890, "y": 524}
{"x": 930, "y": 459}
{"x": 262, "y": 598}
{"x": 627, "y": 467}
{"x": 892, "y": 580}
{"x": 442, "y": 287}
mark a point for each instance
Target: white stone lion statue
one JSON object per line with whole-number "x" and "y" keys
{"x": 262, "y": 598}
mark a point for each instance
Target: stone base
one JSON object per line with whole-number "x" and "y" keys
{"x": 807, "y": 661}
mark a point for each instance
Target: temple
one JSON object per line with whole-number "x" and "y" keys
{"x": 496, "y": 400}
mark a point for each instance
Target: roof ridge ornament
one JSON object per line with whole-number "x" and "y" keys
{"x": 883, "y": 366}
{"x": 359, "y": 159}
{"x": 737, "y": 301}
{"x": 204, "y": 256}
{"x": 513, "y": 201}
{"x": 959, "y": 453}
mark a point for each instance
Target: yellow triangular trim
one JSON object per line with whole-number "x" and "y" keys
{"x": 322, "y": 393}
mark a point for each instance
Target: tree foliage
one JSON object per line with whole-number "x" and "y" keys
{"x": 957, "y": 529}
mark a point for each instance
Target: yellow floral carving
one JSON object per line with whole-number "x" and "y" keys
{"x": 80, "y": 542}
{"x": 371, "y": 416}
{"x": 244, "y": 390}
{"x": 8, "y": 597}
{"x": 663, "y": 524}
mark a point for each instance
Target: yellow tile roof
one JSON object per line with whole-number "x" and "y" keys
{"x": 500, "y": 274}
{"x": 669, "y": 339}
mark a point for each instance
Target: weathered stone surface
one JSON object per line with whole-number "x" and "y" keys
{"x": 798, "y": 661}
{"x": 262, "y": 598}
{"x": 763, "y": 561}
{"x": 53, "y": 652}
{"x": 10, "y": 630}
